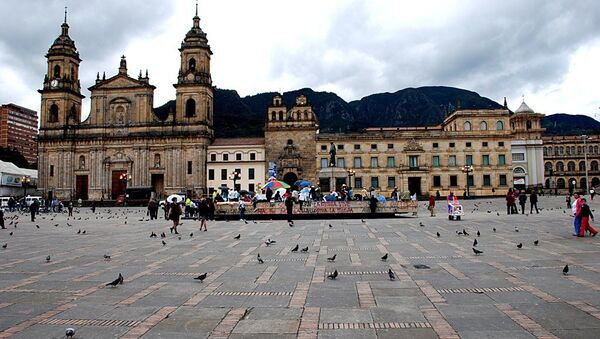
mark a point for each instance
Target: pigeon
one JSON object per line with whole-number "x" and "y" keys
{"x": 271, "y": 241}
{"x": 363, "y": 220}
{"x": 78, "y": 231}
{"x": 191, "y": 234}
{"x": 260, "y": 261}
{"x": 459, "y": 233}
{"x": 476, "y": 251}
{"x": 536, "y": 242}
{"x": 520, "y": 245}
{"x": 474, "y": 242}
{"x": 106, "y": 257}
{"x": 384, "y": 258}
{"x": 333, "y": 275}
{"x": 237, "y": 237}
{"x": 48, "y": 259}
{"x": 70, "y": 332}
{"x": 153, "y": 235}
{"x": 37, "y": 226}
{"x": 332, "y": 258}
{"x": 478, "y": 233}
{"x": 330, "y": 226}
{"x": 391, "y": 274}
{"x": 201, "y": 277}
{"x": 494, "y": 229}
{"x": 305, "y": 249}
{"x": 421, "y": 224}
{"x": 117, "y": 281}
{"x": 438, "y": 234}
{"x": 83, "y": 232}
{"x": 164, "y": 243}
{"x": 295, "y": 249}
{"x": 179, "y": 237}
{"x": 516, "y": 229}
{"x": 465, "y": 232}
{"x": 163, "y": 235}
{"x": 5, "y": 245}
{"x": 566, "y": 270}
{"x": 497, "y": 214}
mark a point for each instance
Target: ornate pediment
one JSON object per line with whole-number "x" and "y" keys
{"x": 119, "y": 81}
{"x": 413, "y": 146}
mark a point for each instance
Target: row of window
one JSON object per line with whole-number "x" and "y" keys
{"x": 290, "y": 116}
{"x": 413, "y": 161}
{"x": 250, "y": 174}
{"x": 237, "y": 156}
{"x": 483, "y": 126}
{"x": 569, "y": 150}
{"x": 468, "y": 144}
{"x": 486, "y": 181}
{"x": 560, "y": 166}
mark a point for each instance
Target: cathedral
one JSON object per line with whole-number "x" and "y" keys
{"x": 122, "y": 143}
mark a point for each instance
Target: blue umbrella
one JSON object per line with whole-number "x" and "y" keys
{"x": 302, "y": 183}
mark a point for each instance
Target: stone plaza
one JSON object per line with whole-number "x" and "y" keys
{"x": 441, "y": 288}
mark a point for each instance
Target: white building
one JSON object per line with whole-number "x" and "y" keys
{"x": 11, "y": 178}
{"x": 527, "y": 148}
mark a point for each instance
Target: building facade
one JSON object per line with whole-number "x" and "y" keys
{"x": 242, "y": 158}
{"x": 565, "y": 165}
{"x": 19, "y": 129}
{"x": 122, "y": 143}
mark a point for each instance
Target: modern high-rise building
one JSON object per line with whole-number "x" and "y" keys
{"x": 18, "y": 129}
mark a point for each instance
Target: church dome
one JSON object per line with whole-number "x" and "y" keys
{"x": 64, "y": 45}
{"x": 195, "y": 37}
{"x": 524, "y": 108}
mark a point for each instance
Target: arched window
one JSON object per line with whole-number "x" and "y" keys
{"x": 581, "y": 166}
{"x": 72, "y": 72}
{"x": 571, "y": 166}
{"x": 483, "y": 126}
{"x": 57, "y": 71}
{"x": 306, "y": 115}
{"x": 582, "y": 183}
{"x": 562, "y": 150}
{"x": 157, "y": 160}
{"x": 595, "y": 149}
{"x": 519, "y": 170}
{"x": 528, "y": 124}
{"x": 81, "y": 162}
{"x": 568, "y": 150}
{"x": 73, "y": 112}
{"x": 280, "y": 116}
{"x": 208, "y": 110}
{"x": 549, "y": 150}
{"x": 548, "y": 166}
{"x": 273, "y": 116}
{"x": 499, "y": 125}
{"x": 192, "y": 64}
{"x": 53, "y": 113}
{"x": 560, "y": 183}
{"x": 547, "y": 185}
{"x": 467, "y": 126}
{"x": 595, "y": 182}
{"x": 578, "y": 149}
{"x": 190, "y": 108}
{"x": 594, "y": 165}
{"x": 560, "y": 167}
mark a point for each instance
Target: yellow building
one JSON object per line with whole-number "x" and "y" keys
{"x": 565, "y": 162}
{"x": 242, "y": 159}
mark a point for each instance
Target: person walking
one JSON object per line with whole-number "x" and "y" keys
{"x": 175, "y": 212}
{"x": 592, "y": 193}
{"x": 533, "y": 199}
{"x": 93, "y": 207}
{"x": 33, "y": 208}
{"x": 510, "y": 201}
{"x": 204, "y": 213}
{"x": 289, "y": 206}
{"x": 568, "y": 200}
{"x": 153, "y": 209}
{"x": 211, "y": 208}
{"x": 2, "y": 219}
{"x": 394, "y": 195}
{"x": 585, "y": 213}
{"x": 373, "y": 204}
{"x": 431, "y": 206}
{"x": 242, "y": 209}
{"x": 70, "y": 208}
{"x": 522, "y": 201}
{"x": 576, "y": 208}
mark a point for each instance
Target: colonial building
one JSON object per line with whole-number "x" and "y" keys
{"x": 122, "y": 143}
{"x": 239, "y": 160}
{"x": 564, "y": 162}
{"x": 18, "y": 129}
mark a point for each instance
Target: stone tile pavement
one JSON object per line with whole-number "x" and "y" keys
{"x": 442, "y": 289}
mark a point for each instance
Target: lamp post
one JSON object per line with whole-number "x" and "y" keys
{"x": 467, "y": 169}
{"x": 351, "y": 173}
{"x": 25, "y": 180}
{"x": 125, "y": 178}
{"x": 235, "y": 176}
{"x": 587, "y": 179}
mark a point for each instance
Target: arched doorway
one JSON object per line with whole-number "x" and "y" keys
{"x": 595, "y": 182}
{"x": 290, "y": 178}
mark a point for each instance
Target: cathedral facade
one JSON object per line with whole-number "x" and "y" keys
{"x": 122, "y": 143}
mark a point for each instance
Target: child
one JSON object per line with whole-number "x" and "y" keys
{"x": 585, "y": 213}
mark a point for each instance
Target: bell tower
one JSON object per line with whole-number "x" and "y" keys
{"x": 61, "y": 94}
{"x": 194, "y": 91}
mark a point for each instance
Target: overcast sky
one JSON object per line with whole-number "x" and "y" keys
{"x": 548, "y": 51}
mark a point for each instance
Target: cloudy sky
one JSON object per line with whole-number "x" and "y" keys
{"x": 548, "y": 51}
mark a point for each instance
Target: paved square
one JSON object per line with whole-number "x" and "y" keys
{"x": 504, "y": 293}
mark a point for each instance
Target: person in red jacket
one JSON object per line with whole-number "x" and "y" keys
{"x": 510, "y": 201}
{"x": 585, "y": 213}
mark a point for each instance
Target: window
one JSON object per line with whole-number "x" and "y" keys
{"x": 578, "y": 150}
{"x": 487, "y": 180}
{"x": 357, "y": 146}
{"x": 571, "y": 166}
{"x": 280, "y": 116}
{"x": 468, "y": 144}
{"x": 81, "y": 162}
{"x": 225, "y": 156}
{"x": 374, "y": 146}
{"x": 53, "y": 116}
{"x": 467, "y": 126}
{"x": 499, "y": 125}
{"x": 451, "y": 144}
{"x": 453, "y": 180}
{"x": 500, "y": 143}
{"x": 485, "y": 160}
{"x": 239, "y": 172}
{"x": 357, "y": 162}
{"x": 435, "y": 145}
{"x": 391, "y": 162}
{"x": 192, "y": 64}
{"x": 324, "y": 163}
{"x": 340, "y": 147}
{"x": 57, "y": 71}
{"x": 452, "y": 161}
{"x": 528, "y": 124}
{"x": 483, "y": 126}
{"x": 189, "y": 167}
{"x": 250, "y": 173}
{"x": 470, "y": 180}
{"x": 51, "y": 170}
{"x": 211, "y": 174}
{"x": 581, "y": 166}
{"x": 594, "y": 165}
{"x": 548, "y": 166}
{"x": 560, "y": 167}
{"x": 560, "y": 183}
{"x": 518, "y": 157}
{"x": 224, "y": 174}
{"x": 391, "y": 182}
{"x": 341, "y": 162}
{"x": 435, "y": 161}
{"x": 413, "y": 161}
{"x": 190, "y": 108}
{"x": 375, "y": 182}
{"x": 358, "y": 182}
{"x": 251, "y": 187}
{"x": 252, "y": 156}
{"x": 502, "y": 179}
{"x": 437, "y": 181}
{"x": 390, "y": 146}
{"x": 484, "y": 144}
{"x": 374, "y": 163}
{"x": 213, "y": 157}
{"x": 519, "y": 170}
{"x": 273, "y": 116}
{"x": 501, "y": 160}
{"x": 323, "y": 147}
{"x": 469, "y": 160}
{"x": 238, "y": 156}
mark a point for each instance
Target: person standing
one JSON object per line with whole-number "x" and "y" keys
{"x": 431, "y": 206}
{"x": 93, "y": 207}
{"x": 11, "y": 204}
{"x": 33, "y": 208}
{"x": 2, "y": 219}
{"x": 394, "y": 195}
{"x": 585, "y": 213}
{"x": 510, "y": 200}
{"x": 204, "y": 213}
{"x": 70, "y": 208}
{"x": 533, "y": 199}
{"x": 153, "y": 209}
{"x": 522, "y": 201}
{"x": 592, "y": 193}
{"x": 242, "y": 209}
{"x": 289, "y": 206}
{"x": 373, "y": 204}
{"x": 576, "y": 208}
{"x": 269, "y": 193}
{"x": 211, "y": 208}
{"x": 568, "y": 200}
{"x": 174, "y": 214}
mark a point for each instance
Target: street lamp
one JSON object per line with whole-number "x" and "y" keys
{"x": 235, "y": 176}
{"x": 125, "y": 178}
{"x": 25, "y": 180}
{"x": 467, "y": 169}
{"x": 351, "y": 173}
{"x": 587, "y": 179}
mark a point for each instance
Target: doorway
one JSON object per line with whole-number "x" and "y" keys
{"x": 81, "y": 187}
{"x": 290, "y": 178}
{"x": 118, "y": 185}
{"x": 158, "y": 184}
{"x": 414, "y": 185}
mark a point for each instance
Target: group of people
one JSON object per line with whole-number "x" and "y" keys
{"x": 582, "y": 214}
{"x": 512, "y": 196}
{"x": 204, "y": 209}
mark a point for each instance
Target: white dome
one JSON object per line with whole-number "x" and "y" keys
{"x": 524, "y": 108}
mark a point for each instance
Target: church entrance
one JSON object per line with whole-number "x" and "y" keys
{"x": 118, "y": 185}
{"x": 290, "y": 178}
{"x": 414, "y": 185}
{"x": 158, "y": 184}
{"x": 81, "y": 187}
